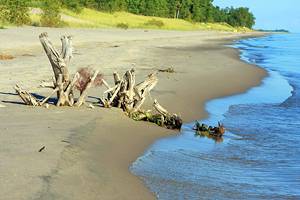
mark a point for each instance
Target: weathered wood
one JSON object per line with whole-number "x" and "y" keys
{"x": 129, "y": 96}
{"x": 106, "y": 84}
{"x": 138, "y": 104}
{"x": 47, "y": 85}
{"x": 71, "y": 86}
{"x": 58, "y": 61}
{"x": 167, "y": 70}
{"x": 117, "y": 78}
{"x": 62, "y": 96}
{"x": 125, "y": 93}
{"x": 67, "y": 49}
{"x": 129, "y": 77}
{"x": 147, "y": 85}
{"x": 160, "y": 109}
{"x": 142, "y": 89}
{"x": 47, "y": 98}
{"x": 114, "y": 94}
{"x": 110, "y": 90}
{"x": 171, "y": 121}
{"x": 27, "y": 98}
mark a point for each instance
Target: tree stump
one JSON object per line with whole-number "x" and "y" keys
{"x": 63, "y": 85}
{"x": 129, "y": 96}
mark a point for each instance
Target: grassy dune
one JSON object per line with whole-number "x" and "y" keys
{"x": 89, "y": 18}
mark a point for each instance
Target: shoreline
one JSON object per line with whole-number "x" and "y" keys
{"x": 95, "y": 162}
{"x": 191, "y": 167}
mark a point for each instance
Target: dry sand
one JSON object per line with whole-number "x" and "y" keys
{"x": 88, "y": 152}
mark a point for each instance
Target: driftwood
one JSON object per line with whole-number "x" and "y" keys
{"x": 171, "y": 121}
{"x": 62, "y": 84}
{"x": 130, "y": 97}
{"x": 59, "y": 61}
{"x": 125, "y": 94}
{"x": 162, "y": 117}
{"x": 167, "y": 70}
{"x": 42, "y": 149}
{"x": 26, "y": 97}
{"x": 209, "y": 131}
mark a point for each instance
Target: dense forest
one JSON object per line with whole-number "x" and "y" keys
{"x": 192, "y": 10}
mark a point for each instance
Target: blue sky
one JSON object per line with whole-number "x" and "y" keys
{"x": 270, "y": 14}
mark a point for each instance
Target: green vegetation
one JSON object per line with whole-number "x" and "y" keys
{"x": 239, "y": 17}
{"x": 122, "y": 25}
{"x": 51, "y": 14}
{"x": 89, "y": 18}
{"x": 158, "y": 14}
{"x": 193, "y": 10}
{"x": 155, "y": 22}
{"x": 14, "y": 12}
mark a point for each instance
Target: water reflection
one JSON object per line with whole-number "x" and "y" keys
{"x": 202, "y": 134}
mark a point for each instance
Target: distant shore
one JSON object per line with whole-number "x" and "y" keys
{"x": 88, "y": 152}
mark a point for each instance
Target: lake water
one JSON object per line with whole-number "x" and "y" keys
{"x": 259, "y": 157}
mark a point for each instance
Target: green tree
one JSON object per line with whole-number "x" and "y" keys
{"x": 3, "y": 12}
{"x": 51, "y": 13}
{"x": 134, "y": 6}
{"x": 185, "y": 9}
{"x": 75, "y": 5}
{"x": 88, "y": 3}
{"x": 195, "y": 10}
{"x": 111, "y": 5}
{"x": 156, "y": 8}
{"x": 15, "y": 11}
{"x": 197, "y": 15}
{"x": 240, "y": 17}
{"x": 174, "y": 7}
{"x": 219, "y": 15}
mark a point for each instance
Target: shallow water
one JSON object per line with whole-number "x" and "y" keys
{"x": 259, "y": 157}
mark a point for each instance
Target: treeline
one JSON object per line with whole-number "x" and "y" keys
{"x": 192, "y": 10}
{"x": 17, "y": 12}
{"x": 14, "y": 11}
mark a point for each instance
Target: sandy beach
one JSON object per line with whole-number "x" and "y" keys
{"x": 88, "y": 151}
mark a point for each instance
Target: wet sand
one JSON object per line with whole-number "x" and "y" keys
{"x": 88, "y": 151}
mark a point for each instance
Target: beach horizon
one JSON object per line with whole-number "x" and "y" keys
{"x": 88, "y": 155}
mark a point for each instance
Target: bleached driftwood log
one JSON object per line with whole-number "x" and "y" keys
{"x": 169, "y": 120}
{"x": 63, "y": 85}
{"x": 29, "y": 99}
{"x": 26, "y": 97}
{"x": 130, "y": 97}
{"x": 59, "y": 61}
{"x": 162, "y": 117}
{"x": 144, "y": 88}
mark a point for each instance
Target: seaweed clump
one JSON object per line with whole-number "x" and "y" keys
{"x": 204, "y": 130}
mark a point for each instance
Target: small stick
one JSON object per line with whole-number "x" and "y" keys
{"x": 41, "y": 149}
{"x": 47, "y": 98}
{"x": 105, "y": 84}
